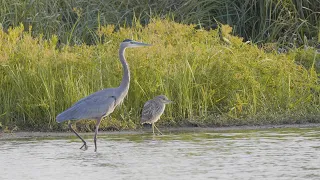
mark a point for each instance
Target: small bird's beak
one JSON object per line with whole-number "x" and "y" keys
{"x": 168, "y": 102}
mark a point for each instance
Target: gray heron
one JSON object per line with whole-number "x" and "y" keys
{"x": 101, "y": 103}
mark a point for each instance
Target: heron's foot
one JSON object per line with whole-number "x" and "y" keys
{"x": 84, "y": 146}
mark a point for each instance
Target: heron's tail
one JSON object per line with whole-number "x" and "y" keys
{"x": 61, "y": 117}
{"x": 70, "y": 114}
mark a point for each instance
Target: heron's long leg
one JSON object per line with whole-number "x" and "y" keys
{"x": 157, "y": 129}
{"x": 95, "y": 134}
{"x": 84, "y": 142}
{"x": 152, "y": 124}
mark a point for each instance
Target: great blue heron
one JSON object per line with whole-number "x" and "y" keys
{"x": 101, "y": 103}
{"x": 153, "y": 109}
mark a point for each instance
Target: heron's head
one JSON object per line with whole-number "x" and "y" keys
{"x": 127, "y": 43}
{"x": 163, "y": 99}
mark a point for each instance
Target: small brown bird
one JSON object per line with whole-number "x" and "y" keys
{"x": 153, "y": 109}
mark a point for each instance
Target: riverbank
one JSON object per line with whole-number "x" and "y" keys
{"x": 213, "y": 83}
{"x": 26, "y": 135}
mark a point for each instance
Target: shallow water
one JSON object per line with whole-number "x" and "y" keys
{"x": 268, "y": 154}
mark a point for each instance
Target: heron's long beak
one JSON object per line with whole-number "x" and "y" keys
{"x": 140, "y": 43}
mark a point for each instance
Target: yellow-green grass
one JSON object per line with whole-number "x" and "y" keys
{"x": 213, "y": 83}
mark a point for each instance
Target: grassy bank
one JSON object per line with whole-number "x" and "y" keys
{"x": 213, "y": 83}
{"x": 289, "y": 23}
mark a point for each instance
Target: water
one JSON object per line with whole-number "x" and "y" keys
{"x": 268, "y": 154}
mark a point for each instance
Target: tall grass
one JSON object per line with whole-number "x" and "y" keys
{"x": 212, "y": 83}
{"x": 289, "y": 23}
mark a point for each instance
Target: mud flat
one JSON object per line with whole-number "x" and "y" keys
{"x": 24, "y": 134}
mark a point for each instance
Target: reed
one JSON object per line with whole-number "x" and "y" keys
{"x": 289, "y": 23}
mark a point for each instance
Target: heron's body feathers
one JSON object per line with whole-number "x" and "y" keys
{"x": 94, "y": 106}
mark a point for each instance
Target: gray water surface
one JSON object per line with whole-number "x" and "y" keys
{"x": 267, "y": 154}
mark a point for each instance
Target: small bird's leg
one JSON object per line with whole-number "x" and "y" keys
{"x": 157, "y": 129}
{"x": 152, "y": 128}
{"x": 84, "y": 142}
{"x": 95, "y": 134}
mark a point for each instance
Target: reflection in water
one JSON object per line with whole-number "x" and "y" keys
{"x": 268, "y": 154}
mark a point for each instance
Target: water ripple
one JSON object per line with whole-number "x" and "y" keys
{"x": 267, "y": 154}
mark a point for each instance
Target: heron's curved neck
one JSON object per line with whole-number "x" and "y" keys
{"x": 126, "y": 72}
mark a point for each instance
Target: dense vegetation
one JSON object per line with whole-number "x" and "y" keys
{"x": 288, "y": 22}
{"x": 52, "y": 53}
{"x": 211, "y": 81}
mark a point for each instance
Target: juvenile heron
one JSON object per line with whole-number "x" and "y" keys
{"x": 153, "y": 109}
{"x": 102, "y": 103}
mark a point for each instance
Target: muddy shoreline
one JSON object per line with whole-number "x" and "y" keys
{"x": 24, "y": 134}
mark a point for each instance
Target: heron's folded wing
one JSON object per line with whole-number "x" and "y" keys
{"x": 91, "y": 107}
